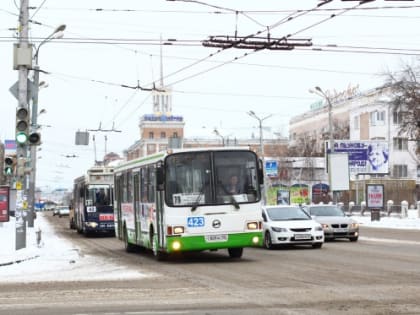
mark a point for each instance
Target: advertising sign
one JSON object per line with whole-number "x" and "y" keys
{"x": 338, "y": 171}
{"x": 271, "y": 168}
{"x": 299, "y": 194}
{"x": 4, "y": 203}
{"x": 375, "y": 196}
{"x": 365, "y": 157}
{"x": 283, "y": 197}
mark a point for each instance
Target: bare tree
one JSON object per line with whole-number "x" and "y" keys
{"x": 405, "y": 89}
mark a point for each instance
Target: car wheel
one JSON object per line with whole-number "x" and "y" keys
{"x": 267, "y": 241}
{"x": 353, "y": 239}
{"x": 317, "y": 245}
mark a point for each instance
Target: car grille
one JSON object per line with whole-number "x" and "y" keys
{"x": 336, "y": 226}
{"x": 301, "y": 230}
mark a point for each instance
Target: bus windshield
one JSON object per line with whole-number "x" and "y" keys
{"x": 211, "y": 178}
{"x": 99, "y": 196}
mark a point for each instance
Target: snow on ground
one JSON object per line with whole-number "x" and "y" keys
{"x": 54, "y": 259}
{"x": 58, "y": 259}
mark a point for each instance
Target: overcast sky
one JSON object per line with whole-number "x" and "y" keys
{"x": 108, "y": 44}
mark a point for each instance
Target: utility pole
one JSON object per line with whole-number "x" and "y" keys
{"x": 21, "y": 149}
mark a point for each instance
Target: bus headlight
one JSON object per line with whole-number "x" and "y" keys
{"x": 252, "y": 225}
{"x": 176, "y": 245}
{"x": 178, "y": 229}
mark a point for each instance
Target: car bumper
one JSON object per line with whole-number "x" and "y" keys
{"x": 348, "y": 233}
{"x": 297, "y": 238}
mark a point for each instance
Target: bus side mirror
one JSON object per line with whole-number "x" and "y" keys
{"x": 260, "y": 172}
{"x": 160, "y": 178}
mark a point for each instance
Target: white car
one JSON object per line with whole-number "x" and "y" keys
{"x": 290, "y": 225}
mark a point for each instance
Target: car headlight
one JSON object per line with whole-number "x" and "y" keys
{"x": 318, "y": 228}
{"x": 355, "y": 225}
{"x": 278, "y": 229}
{"x": 325, "y": 226}
{"x": 92, "y": 224}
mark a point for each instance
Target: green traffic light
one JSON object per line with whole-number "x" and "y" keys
{"x": 8, "y": 171}
{"x": 21, "y": 138}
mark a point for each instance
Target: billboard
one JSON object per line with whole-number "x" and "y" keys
{"x": 4, "y": 204}
{"x": 365, "y": 156}
{"x": 375, "y": 196}
{"x": 271, "y": 168}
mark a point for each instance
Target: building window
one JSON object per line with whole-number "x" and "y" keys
{"x": 175, "y": 134}
{"x": 377, "y": 118}
{"x": 400, "y": 170}
{"x": 151, "y": 135}
{"x": 418, "y": 171}
{"x": 163, "y": 135}
{"x": 151, "y": 148}
{"x": 400, "y": 144}
{"x": 397, "y": 117}
{"x": 356, "y": 122}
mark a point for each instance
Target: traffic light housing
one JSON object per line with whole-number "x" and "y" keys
{"x": 9, "y": 165}
{"x": 34, "y": 138}
{"x": 22, "y": 125}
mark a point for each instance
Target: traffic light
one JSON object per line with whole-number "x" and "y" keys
{"x": 22, "y": 125}
{"x": 34, "y": 138}
{"x": 8, "y": 166}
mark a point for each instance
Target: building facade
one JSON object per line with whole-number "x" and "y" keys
{"x": 370, "y": 119}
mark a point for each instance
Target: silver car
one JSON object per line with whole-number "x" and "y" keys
{"x": 290, "y": 225}
{"x": 334, "y": 222}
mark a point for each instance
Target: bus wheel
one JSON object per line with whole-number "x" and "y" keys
{"x": 235, "y": 252}
{"x": 159, "y": 255}
{"x": 129, "y": 248}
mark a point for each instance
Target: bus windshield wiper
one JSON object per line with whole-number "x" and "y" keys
{"x": 197, "y": 201}
{"x": 232, "y": 198}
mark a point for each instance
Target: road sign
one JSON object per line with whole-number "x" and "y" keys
{"x": 18, "y": 185}
{"x": 14, "y": 89}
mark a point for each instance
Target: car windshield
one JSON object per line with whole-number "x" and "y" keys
{"x": 287, "y": 213}
{"x": 324, "y": 211}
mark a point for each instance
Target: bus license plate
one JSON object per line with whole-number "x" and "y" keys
{"x": 217, "y": 238}
{"x": 302, "y": 236}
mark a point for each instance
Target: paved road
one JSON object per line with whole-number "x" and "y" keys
{"x": 380, "y": 274}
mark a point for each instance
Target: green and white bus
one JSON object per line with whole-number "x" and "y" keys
{"x": 178, "y": 201}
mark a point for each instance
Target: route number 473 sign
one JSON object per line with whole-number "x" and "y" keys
{"x": 375, "y": 196}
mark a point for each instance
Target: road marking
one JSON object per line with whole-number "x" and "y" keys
{"x": 388, "y": 240}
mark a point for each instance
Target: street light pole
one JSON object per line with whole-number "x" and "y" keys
{"x": 58, "y": 32}
{"x": 320, "y": 92}
{"x": 260, "y": 121}
{"x": 217, "y": 133}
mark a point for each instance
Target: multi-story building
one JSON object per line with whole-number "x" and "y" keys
{"x": 368, "y": 116}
